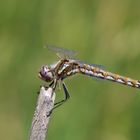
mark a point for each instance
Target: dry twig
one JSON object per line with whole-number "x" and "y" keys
{"x": 42, "y": 113}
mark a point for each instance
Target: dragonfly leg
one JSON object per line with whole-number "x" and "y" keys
{"x": 67, "y": 96}
{"x": 53, "y": 84}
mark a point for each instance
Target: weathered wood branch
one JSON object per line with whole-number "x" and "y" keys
{"x": 42, "y": 114}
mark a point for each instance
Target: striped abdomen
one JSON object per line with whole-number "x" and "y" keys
{"x": 102, "y": 74}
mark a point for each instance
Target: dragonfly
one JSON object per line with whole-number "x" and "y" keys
{"x": 65, "y": 67}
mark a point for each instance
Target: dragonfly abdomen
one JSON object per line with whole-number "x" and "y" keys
{"x": 102, "y": 74}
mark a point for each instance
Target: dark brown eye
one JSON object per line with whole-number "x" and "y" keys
{"x": 43, "y": 71}
{"x": 46, "y": 74}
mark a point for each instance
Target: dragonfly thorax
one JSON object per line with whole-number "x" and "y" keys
{"x": 46, "y": 74}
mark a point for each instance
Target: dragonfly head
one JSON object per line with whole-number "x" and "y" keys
{"x": 46, "y": 74}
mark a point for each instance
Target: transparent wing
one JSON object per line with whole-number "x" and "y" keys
{"x": 94, "y": 65}
{"x": 61, "y": 52}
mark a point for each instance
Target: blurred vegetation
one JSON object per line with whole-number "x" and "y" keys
{"x": 102, "y": 32}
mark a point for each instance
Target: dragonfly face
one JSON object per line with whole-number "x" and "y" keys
{"x": 46, "y": 74}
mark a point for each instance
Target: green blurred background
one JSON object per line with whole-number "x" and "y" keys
{"x": 102, "y": 32}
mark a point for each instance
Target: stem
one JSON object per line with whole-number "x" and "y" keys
{"x": 42, "y": 114}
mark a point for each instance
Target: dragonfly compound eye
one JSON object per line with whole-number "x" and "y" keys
{"x": 45, "y": 74}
